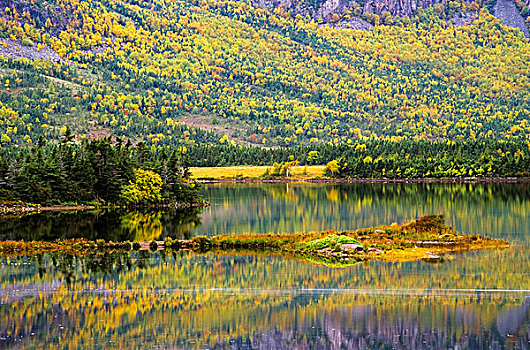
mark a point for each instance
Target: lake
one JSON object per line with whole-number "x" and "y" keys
{"x": 184, "y": 300}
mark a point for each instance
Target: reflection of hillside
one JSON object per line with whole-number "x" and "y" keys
{"x": 148, "y": 299}
{"x": 209, "y": 292}
{"x": 363, "y": 327}
{"x": 491, "y": 209}
{"x": 154, "y": 317}
{"x": 185, "y": 270}
{"x": 510, "y": 321}
{"x": 498, "y": 210}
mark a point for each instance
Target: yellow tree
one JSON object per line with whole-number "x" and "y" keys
{"x": 145, "y": 189}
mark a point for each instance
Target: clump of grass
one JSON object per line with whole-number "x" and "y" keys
{"x": 332, "y": 241}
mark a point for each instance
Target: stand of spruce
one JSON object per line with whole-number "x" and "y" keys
{"x": 101, "y": 171}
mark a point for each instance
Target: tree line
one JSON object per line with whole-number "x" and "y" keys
{"x": 102, "y": 171}
{"x": 110, "y": 171}
{"x": 384, "y": 159}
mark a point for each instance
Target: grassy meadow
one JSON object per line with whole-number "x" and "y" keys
{"x": 254, "y": 172}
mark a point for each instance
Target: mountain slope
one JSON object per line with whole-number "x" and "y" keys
{"x": 138, "y": 68}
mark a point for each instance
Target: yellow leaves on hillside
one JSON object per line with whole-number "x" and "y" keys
{"x": 239, "y": 63}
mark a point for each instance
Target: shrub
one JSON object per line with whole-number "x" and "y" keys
{"x": 153, "y": 246}
{"x": 27, "y": 42}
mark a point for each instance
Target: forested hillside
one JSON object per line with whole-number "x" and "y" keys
{"x": 166, "y": 72}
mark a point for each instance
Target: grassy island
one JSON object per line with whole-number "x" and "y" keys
{"x": 427, "y": 238}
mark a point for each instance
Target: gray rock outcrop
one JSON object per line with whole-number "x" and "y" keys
{"x": 509, "y": 14}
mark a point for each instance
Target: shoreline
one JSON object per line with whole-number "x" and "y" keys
{"x": 82, "y": 207}
{"x": 465, "y": 180}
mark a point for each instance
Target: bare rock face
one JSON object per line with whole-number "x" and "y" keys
{"x": 40, "y": 12}
{"x": 330, "y": 7}
{"x": 354, "y": 23}
{"x": 13, "y": 49}
{"x": 395, "y": 7}
{"x": 399, "y": 7}
{"x": 509, "y": 14}
{"x": 326, "y": 8}
{"x": 347, "y": 247}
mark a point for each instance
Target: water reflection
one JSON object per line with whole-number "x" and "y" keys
{"x": 491, "y": 209}
{"x": 499, "y": 210}
{"x": 194, "y": 301}
{"x": 184, "y": 300}
{"x": 112, "y": 225}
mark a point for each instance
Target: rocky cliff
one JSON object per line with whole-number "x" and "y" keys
{"x": 350, "y": 13}
{"x": 509, "y": 14}
{"x": 325, "y": 9}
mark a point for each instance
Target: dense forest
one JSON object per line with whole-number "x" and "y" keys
{"x": 97, "y": 171}
{"x": 118, "y": 172}
{"x": 185, "y": 82}
{"x": 384, "y": 159}
{"x": 169, "y": 72}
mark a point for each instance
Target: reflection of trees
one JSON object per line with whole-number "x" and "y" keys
{"x": 71, "y": 266}
{"x": 512, "y": 320}
{"x": 53, "y": 225}
{"x": 111, "y": 225}
{"x": 214, "y": 300}
{"x": 484, "y": 208}
{"x": 180, "y": 223}
{"x": 491, "y": 209}
{"x": 368, "y": 326}
{"x": 142, "y": 226}
{"x": 135, "y": 317}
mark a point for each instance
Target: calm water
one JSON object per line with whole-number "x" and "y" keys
{"x": 143, "y": 300}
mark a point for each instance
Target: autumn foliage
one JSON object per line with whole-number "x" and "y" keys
{"x": 135, "y": 68}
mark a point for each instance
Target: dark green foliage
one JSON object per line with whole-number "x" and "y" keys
{"x": 153, "y": 246}
{"x": 429, "y": 223}
{"x": 387, "y": 159}
{"x": 93, "y": 170}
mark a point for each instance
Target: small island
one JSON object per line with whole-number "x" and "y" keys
{"x": 427, "y": 238}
